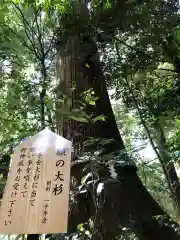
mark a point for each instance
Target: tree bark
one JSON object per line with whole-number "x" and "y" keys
{"x": 125, "y": 198}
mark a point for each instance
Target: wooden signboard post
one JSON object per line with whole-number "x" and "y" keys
{"x": 36, "y": 195}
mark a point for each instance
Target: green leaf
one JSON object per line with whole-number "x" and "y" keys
{"x": 106, "y": 141}
{"x": 99, "y": 118}
{"x": 80, "y": 227}
{"x": 79, "y": 119}
{"x": 87, "y": 65}
{"x": 90, "y": 141}
{"x": 92, "y": 102}
{"x": 108, "y": 4}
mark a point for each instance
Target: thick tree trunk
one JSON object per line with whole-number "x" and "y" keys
{"x": 129, "y": 201}
{"x": 124, "y": 199}
{"x": 124, "y": 202}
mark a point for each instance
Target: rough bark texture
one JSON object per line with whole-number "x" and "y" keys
{"x": 124, "y": 200}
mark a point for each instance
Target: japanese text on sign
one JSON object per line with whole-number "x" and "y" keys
{"x": 38, "y": 186}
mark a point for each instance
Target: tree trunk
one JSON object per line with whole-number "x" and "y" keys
{"x": 124, "y": 198}
{"x": 172, "y": 174}
{"x": 167, "y": 166}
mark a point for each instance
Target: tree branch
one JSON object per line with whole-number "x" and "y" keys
{"x": 149, "y": 134}
{"x": 29, "y": 31}
{"x": 39, "y": 35}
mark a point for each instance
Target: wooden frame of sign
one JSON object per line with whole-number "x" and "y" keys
{"x": 36, "y": 195}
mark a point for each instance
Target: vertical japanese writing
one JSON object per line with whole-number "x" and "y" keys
{"x": 59, "y": 176}
{"x": 48, "y": 186}
{"x": 36, "y": 175}
{"x": 16, "y": 184}
{"x": 27, "y": 175}
{"x": 45, "y": 211}
{"x": 10, "y": 208}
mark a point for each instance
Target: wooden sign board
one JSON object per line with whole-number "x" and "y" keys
{"x": 36, "y": 195}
